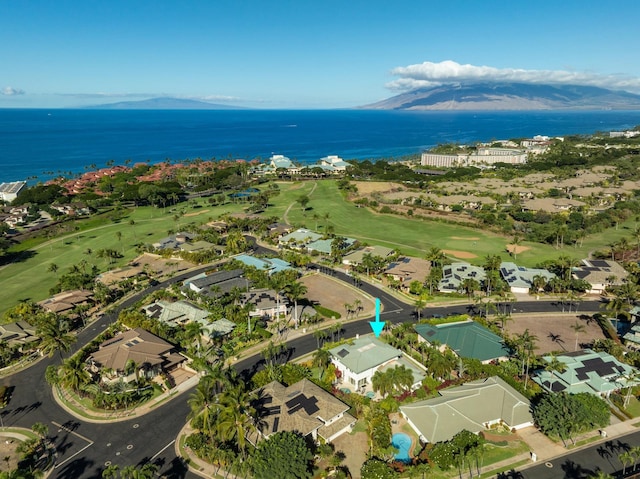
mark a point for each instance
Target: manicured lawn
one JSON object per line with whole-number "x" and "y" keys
{"x": 30, "y": 279}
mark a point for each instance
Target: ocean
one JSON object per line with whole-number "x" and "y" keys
{"x": 36, "y": 144}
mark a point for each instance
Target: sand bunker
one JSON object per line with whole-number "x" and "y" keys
{"x": 196, "y": 213}
{"x": 464, "y": 239}
{"x": 459, "y": 254}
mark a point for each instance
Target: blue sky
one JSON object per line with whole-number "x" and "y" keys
{"x": 303, "y": 54}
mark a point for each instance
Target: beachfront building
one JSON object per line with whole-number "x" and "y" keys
{"x": 336, "y": 163}
{"x": 9, "y": 191}
{"x": 475, "y": 406}
{"x": 482, "y": 156}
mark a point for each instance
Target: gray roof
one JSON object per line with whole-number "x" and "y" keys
{"x": 365, "y": 353}
{"x": 471, "y": 406}
{"x": 520, "y": 276}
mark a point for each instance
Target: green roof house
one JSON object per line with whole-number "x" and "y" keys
{"x": 357, "y": 362}
{"x": 474, "y": 406}
{"x": 467, "y": 339}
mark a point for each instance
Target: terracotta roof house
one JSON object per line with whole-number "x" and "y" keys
{"x": 474, "y": 406}
{"x": 600, "y": 273}
{"x": 587, "y": 371}
{"x": 467, "y": 339}
{"x": 408, "y": 269}
{"x": 66, "y": 301}
{"x": 302, "y": 407}
{"x": 19, "y": 333}
{"x": 151, "y": 354}
{"x": 358, "y": 361}
{"x": 520, "y": 278}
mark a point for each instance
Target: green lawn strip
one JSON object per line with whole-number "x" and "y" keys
{"x": 495, "y": 472}
{"x": 25, "y": 432}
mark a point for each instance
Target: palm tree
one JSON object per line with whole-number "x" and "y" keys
{"x": 73, "y": 373}
{"x": 53, "y": 268}
{"x": 202, "y": 403}
{"x": 321, "y": 359}
{"x": 295, "y": 291}
{"x": 237, "y": 417}
{"x": 626, "y": 458}
{"x": 577, "y": 328}
{"x": 53, "y": 339}
{"x": 600, "y": 474}
{"x": 554, "y": 365}
{"x": 436, "y": 256}
{"x": 419, "y": 304}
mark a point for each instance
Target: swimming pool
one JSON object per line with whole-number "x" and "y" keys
{"x": 402, "y": 442}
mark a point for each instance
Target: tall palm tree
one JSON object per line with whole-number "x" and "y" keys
{"x": 73, "y": 373}
{"x": 53, "y": 339}
{"x": 321, "y": 359}
{"x": 203, "y": 405}
{"x": 577, "y": 328}
{"x": 237, "y": 417}
{"x": 294, "y": 292}
{"x": 436, "y": 256}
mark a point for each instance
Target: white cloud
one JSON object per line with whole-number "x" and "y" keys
{"x": 10, "y": 91}
{"x": 430, "y": 74}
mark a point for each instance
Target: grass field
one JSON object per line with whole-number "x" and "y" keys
{"x": 30, "y": 279}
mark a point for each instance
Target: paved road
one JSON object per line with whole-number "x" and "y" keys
{"x": 85, "y": 448}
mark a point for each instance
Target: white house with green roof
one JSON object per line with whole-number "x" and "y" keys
{"x": 299, "y": 238}
{"x": 357, "y": 362}
{"x": 587, "y": 371}
{"x": 474, "y": 406}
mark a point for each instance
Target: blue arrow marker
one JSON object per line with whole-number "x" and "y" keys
{"x": 377, "y": 325}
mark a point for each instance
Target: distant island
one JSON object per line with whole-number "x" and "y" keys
{"x": 164, "y": 103}
{"x": 509, "y": 96}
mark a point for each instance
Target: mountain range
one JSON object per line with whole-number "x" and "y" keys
{"x": 163, "y": 103}
{"x": 510, "y": 96}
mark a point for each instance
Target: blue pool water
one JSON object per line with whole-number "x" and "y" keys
{"x": 402, "y": 442}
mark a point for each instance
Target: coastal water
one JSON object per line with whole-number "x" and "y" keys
{"x": 37, "y": 144}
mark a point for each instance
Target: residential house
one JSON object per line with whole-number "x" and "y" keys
{"x": 467, "y": 339}
{"x": 149, "y": 354}
{"x": 302, "y": 407}
{"x": 266, "y": 303}
{"x": 355, "y": 258}
{"x": 600, "y": 273}
{"x": 358, "y": 361}
{"x": 174, "y": 241}
{"x": 408, "y": 269}
{"x": 474, "y": 406}
{"x": 270, "y": 265}
{"x": 177, "y": 313}
{"x": 323, "y": 246}
{"x": 587, "y": 371}
{"x": 298, "y": 239}
{"x": 218, "y": 283}
{"x": 19, "y": 333}
{"x": 453, "y": 275}
{"x": 66, "y": 301}
{"x": 520, "y": 278}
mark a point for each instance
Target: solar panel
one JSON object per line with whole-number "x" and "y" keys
{"x": 309, "y": 404}
{"x": 343, "y": 352}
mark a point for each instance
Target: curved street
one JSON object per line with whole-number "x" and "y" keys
{"x": 85, "y": 448}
